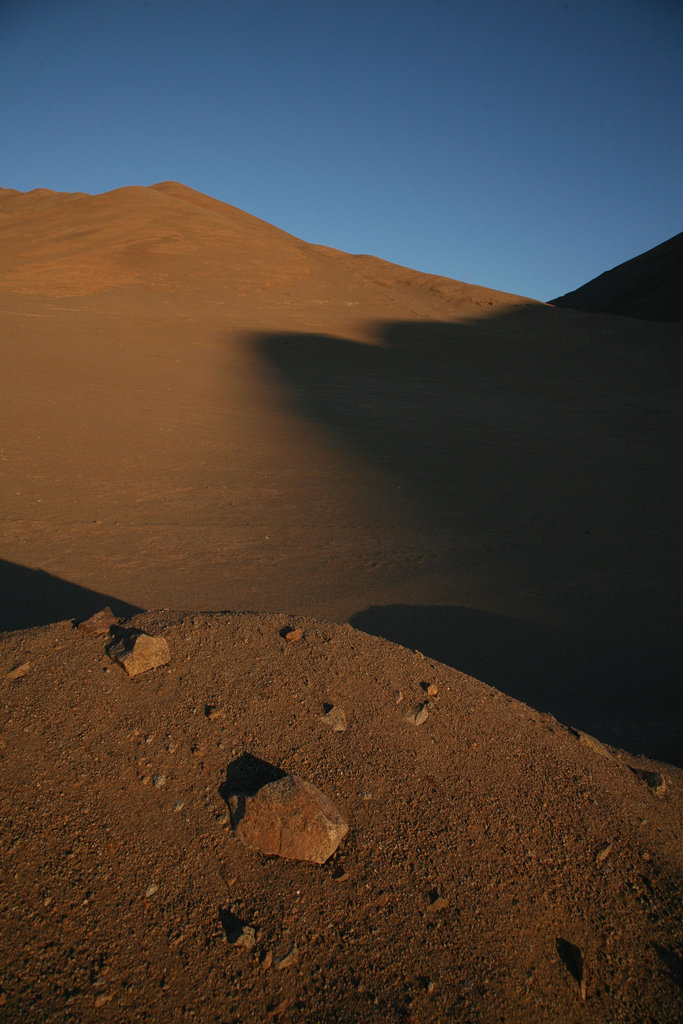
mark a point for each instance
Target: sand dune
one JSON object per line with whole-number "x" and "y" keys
{"x": 201, "y": 412}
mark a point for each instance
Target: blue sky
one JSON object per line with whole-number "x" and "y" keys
{"x": 525, "y": 145}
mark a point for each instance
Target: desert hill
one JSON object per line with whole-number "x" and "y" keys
{"x": 439, "y": 483}
{"x": 169, "y": 239}
{"x": 649, "y": 286}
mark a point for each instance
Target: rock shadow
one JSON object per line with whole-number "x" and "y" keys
{"x": 32, "y": 597}
{"x": 243, "y": 777}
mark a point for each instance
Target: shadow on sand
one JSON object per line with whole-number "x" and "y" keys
{"x": 601, "y": 684}
{"x": 539, "y": 451}
{"x": 31, "y": 597}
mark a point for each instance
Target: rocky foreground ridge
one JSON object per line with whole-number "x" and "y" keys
{"x": 485, "y": 862}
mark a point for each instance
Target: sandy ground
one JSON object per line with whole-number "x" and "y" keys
{"x": 199, "y": 411}
{"x": 483, "y": 845}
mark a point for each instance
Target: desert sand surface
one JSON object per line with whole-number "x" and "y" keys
{"x": 438, "y": 483}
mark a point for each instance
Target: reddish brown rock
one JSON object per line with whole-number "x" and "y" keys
{"x": 19, "y": 671}
{"x": 335, "y": 718}
{"x": 99, "y": 623}
{"x": 655, "y": 780}
{"x": 418, "y": 714}
{"x": 292, "y": 636}
{"x": 288, "y": 818}
{"x": 590, "y": 741}
{"x": 138, "y": 652}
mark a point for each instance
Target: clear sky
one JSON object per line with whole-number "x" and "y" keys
{"x": 525, "y": 145}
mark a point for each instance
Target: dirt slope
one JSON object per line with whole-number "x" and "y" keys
{"x": 649, "y": 286}
{"x": 485, "y": 847}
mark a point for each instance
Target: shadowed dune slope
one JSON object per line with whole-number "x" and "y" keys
{"x": 649, "y": 286}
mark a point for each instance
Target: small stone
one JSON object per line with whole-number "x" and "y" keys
{"x": 159, "y": 781}
{"x": 213, "y": 713}
{"x": 19, "y": 671}
{"x": 103, "y": 998}
{"x": 246, "y": 938}
{"x": 178, "y": 805}
{"x": 418, "y": 714}
{"x": 335, "y": 719}
{"x": 222, "y": 819}
{"x": 438, "y": 903}
{"x": 292, "y": 636}
{"x": 590, "y": 741}
{"x": 655, "y": 780}
{"x": 604, "y": 853}
{"x": 138, "y": 652}
{"x": 276, "y": 1009}
{"x": 288, "y": 818}
{"x": 289, "y": 959}
{"x": 151, "y": 890}
{"x": 99, "y": 623}
{"x": 432, "y": 690}
{"x": 339, "y": 875}
{"x": 267, "y": 960}
{"x": 398, "y": 696}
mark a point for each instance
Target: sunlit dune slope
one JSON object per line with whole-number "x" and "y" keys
{"x": 169, "y": 237}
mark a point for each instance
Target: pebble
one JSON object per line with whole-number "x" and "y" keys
{"x": 335, "y": 718}
{"x": 604, "y": 853}
{"x": 138, "y": 652}
{"x": 432, "y": 690}
{"x": 99, "y": 623}
{"x": 159, "y": 781}
{"x": 19, "y": 671}
{"x": 178, "y": 805}
{"x": 292, "y": 636}
{"x": 398, "y": 696}
{"x": 213, "y": 713}
{"x": 246, "y": 939}
{"x": 655, "y": 780}
{"x": 151, "y": 890}
{"x": 418, "y": 714}
{"x": 590, "y": 741}
{"x": 289, "y": 959}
